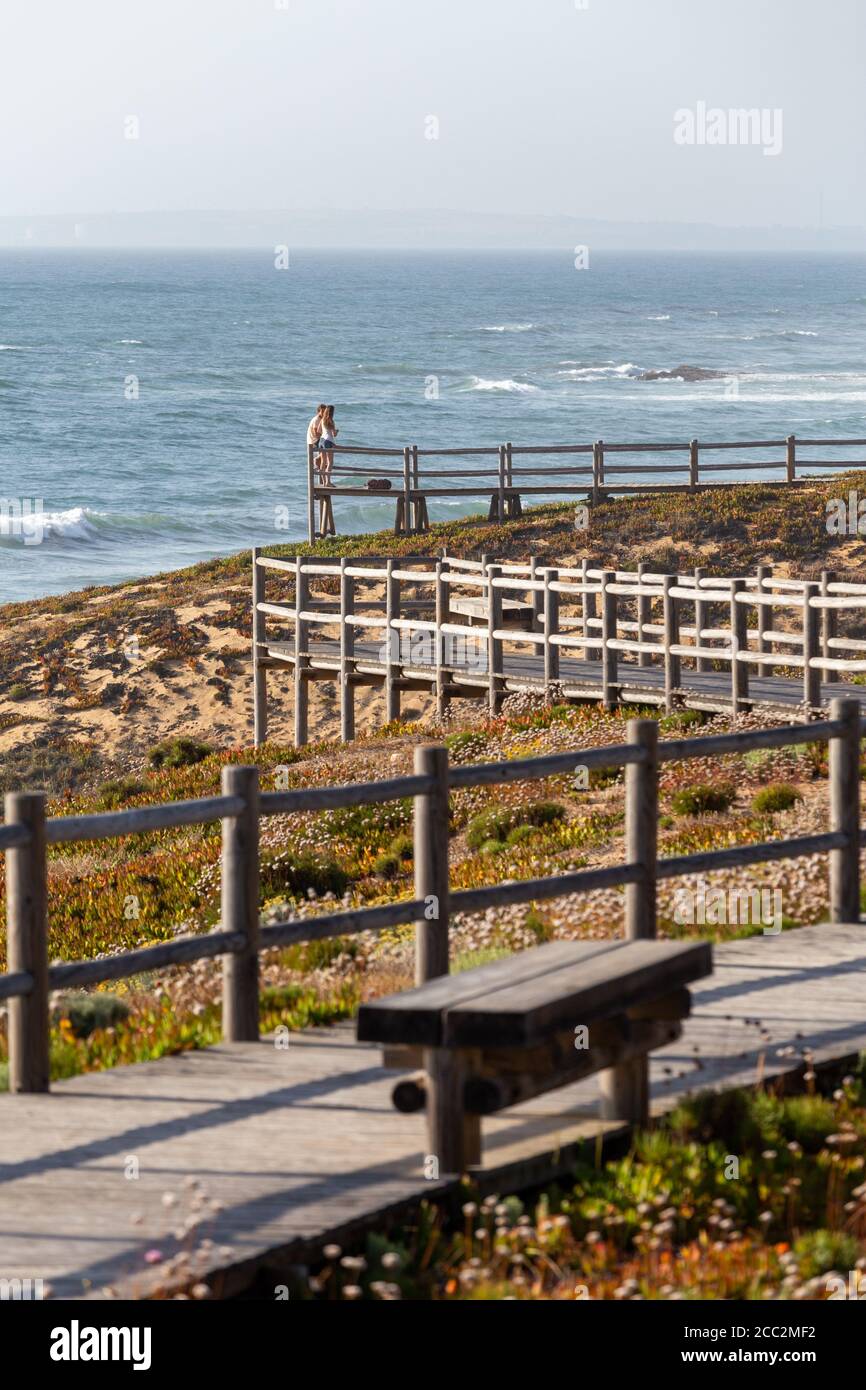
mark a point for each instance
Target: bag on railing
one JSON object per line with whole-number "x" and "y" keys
{"x": 379, "y": 484}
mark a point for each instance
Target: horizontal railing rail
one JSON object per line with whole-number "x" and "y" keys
{"x": 240, "y": 937}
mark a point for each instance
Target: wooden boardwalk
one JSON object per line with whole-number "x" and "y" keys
{"x": 302, "y": 1144}
{"x": 579, "y": 679}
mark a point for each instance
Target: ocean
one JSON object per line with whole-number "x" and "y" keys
{"x": 153, "y": 405}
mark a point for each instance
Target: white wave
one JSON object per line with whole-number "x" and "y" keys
{"x": 11, "y": 347}
{"x": 609, "y": 372}
{"x": 658, "y": 318}
{"x": 30, "y": 527}
{"x": 781, "y": 333}
{"x": 480, "y": 383}
{"x": 506, "y": 327}
{"x": 132, "y": 342}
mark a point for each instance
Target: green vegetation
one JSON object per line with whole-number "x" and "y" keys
{"x": 746, "y": 1195}
{"x": 703, "y": 799}
{"x": 497, "y": 824}
{"x": 779, "y": 796}
{"x": 179, "y": 752}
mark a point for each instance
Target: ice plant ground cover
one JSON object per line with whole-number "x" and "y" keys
{"x": 674, "y": 1217}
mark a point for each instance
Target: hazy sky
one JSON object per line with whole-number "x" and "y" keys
{"x": 543, "y": 106}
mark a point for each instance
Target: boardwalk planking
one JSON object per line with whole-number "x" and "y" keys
{"x": 580, "y": 679}
{"x": 303, "y": 1144}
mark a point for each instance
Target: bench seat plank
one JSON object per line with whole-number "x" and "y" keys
{"x": 416, "y": 1015}
{"x": 574, "y": 994}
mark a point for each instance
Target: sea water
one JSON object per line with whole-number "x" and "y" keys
{"x": 153, "y": 405}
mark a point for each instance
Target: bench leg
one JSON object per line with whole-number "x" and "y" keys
{"x": 454, "y": 1138}
{"x": 625, "y": 1092}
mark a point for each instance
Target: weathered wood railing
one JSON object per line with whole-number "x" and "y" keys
{"x": 506, "y": 472}
{"x": 619, "y": 623}
{"x": 240, "y": 937}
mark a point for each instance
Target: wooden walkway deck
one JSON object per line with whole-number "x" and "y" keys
{"x": 580, "y": 680}
{"x": 302, "y": 1144}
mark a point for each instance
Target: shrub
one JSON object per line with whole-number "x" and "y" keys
{"x": 541, "y": 813}
{"x": 820, "y": 1251}
{"x": 18, "y": 691}
{"x": 682, "y": 719}
{"x": 178, "y": 752}
{"x": 697, "y": 801}
{"x": 87, "y": 1012}
{"x": 778, "y": 796}
{"x": 492, "y": 847}
{"x": 295, "y": 875}
{"x": 488, "y": 825}
{"x": 520, "y": 833}
{"x": 387, "y": 865}
{"x": 404, "y": 848}
{"x": 112, "y": 795}
{"x": 499, "y": 824}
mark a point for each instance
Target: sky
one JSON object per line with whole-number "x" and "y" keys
{"x": 544, "y": 107}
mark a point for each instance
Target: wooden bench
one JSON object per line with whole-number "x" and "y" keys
{"x": 503, "y": 1033}
{"x": 514, "y": 612}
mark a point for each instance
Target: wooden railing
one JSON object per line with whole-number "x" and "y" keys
{"x": 504, "y": 473}
{"x": 620, "y": 623}
{"x": 240, "y": 937}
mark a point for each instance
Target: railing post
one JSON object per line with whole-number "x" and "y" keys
{"x": 443, "y": 616}
{"x": 239, "y": 904}
{"x": 643, "y": 614}
{"x": 260, "y": 671}
{"x": 693, "y": 465}
{"x": 739, "y": 643}
{"x": 302, "y": 657}
{"x": 671, "y": 639}
{"x": 494, "y": 644}
{"x": 609, "y": 654}
{"x": 407, "y": 491}
{"x": 811, "y": 649}
{"x": 311, "y": 493}
{"x": 431, "y": 864}
{"x": 829, "y": 620}
{"x": 590, "y": 608}
{"x": 701, "y": 662}
{"x": 761, "y": 573}
{"x": 597, "y": 470}
{"x": 501, "y": 484}
{"x": 509, "y": 465}
{"x": 625, "y": 1089}
{"x": 537, "y": 596}
{"x": 550, "y": 627}
{"x": 790, "y": 458}
{"x": 453, "y": 1137}
{"x": 845, "y": 812}
{"x": 347, "y": 653}
{"x": 27, "y": 944}
{"x": 393, "y": 638}
{"x": 419, "y": 502}
{"x": 641, "y": 829}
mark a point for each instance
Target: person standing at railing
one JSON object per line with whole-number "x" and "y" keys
{"x": 327, "y": 439}
{"x": 314, "y": 434}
